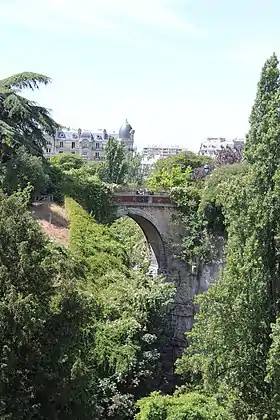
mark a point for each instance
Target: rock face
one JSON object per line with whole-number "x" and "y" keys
{"x": 208, "y": 273}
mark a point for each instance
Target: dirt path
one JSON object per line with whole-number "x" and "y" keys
{"x": 53, "y": 219}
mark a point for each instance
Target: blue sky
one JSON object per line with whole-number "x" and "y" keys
{"x": 179, "y": 70}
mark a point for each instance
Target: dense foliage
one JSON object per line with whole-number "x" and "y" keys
{"x": 233, "y": 339}
{"x": 23, "y": 169}
{"x": 92, "y": 243}
{"x": 137, "y": 250}
{"x": 43, "y": 321}
{"x": 129, "y": 327}
{"x": 234, "y": 348}
{"x": 176, "y": 170}
{"x": 93, "y": 194}
{"x": 186, "y": 406}
{"x": 80, "y": 333}
{"x": 115, "y": 167}
{"x": 67, "y": 161}
{"x": 135, "y": 174}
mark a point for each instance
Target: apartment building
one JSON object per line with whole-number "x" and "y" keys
{"x": 211, "y": 145}
{"x": 160, "y": 151}
{"x": 90, "y": 144}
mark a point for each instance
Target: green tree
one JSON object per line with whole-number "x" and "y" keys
{"x": 231, "y": 340}
{"x": 183, "y": 161}
{"x": 134, "y": 170}
{"x": 67, "y": 161}
{"x": 211, "y": 203}
{"x": 23, "y": 122}
{"x": 72, "y": 176}
{"x": 45, "y": 346}
{"x": 176, "y": 171}
{"x": 167, "y": 179}
{"x": 115, "y": 166}
{"x": 23, "y": 169}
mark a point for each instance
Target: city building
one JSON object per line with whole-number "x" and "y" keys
{"x": 161, "y": 152}
{"x": 90, "y": 144}
{"x": 150, "y": 154}
{"x": 211, "y": 145}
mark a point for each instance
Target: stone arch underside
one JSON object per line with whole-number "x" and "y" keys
{"x": 151, "y": 231}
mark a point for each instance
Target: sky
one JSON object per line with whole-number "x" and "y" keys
{"x": 178, "y": 70}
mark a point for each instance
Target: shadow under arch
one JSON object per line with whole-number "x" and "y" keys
{"x": 151, "y": 233}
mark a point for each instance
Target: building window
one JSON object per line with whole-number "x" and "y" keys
{"x": 97, "y": 145}
{"x": 48, "y": 150}
{"x": 97, "y": 156}
{"x": 73, "y": 152}
{"x": 61, "y": 144}
{"x": 61, "y": 135}
{"x": 60, "y": 151}
{"x": 73, "y": 145}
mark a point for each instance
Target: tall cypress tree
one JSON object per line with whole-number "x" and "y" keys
{"x": 231, "y": 340}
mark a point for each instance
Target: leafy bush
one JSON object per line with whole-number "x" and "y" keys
{"x": 191, "y": 406}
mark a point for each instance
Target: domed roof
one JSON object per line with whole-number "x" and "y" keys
{"x": 124, "y": 132}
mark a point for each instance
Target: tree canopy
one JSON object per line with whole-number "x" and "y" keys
{"x": 232, "y": 338}
{"x": 66, "y": 161}
{"x": 115, "y": 166}
{"x": 23, "y": 122}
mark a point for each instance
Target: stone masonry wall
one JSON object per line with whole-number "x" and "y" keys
{"x": 187, "y": 280}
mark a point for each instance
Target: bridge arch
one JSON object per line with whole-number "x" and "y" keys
{"x": 151, "y": 230}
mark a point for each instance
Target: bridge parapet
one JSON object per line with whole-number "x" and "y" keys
{"x": 129, "y": 198}
{"x": 133, "y": 191}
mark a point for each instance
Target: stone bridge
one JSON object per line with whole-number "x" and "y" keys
{"x": 156, "y": 215}
{"x": 159, "y": 219}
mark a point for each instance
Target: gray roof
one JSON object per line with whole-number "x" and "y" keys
{"x": 125, "y": 131}
{"x": 85, "y": 135}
